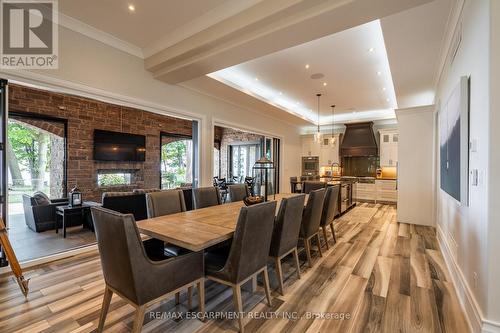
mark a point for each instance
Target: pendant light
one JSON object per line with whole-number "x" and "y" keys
{"x": 333, "y": 141}
{"x": 317, "y": 136}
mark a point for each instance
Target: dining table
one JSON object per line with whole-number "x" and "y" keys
{"x": 199, "y": 229}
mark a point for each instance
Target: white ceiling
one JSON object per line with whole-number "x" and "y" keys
{"x": 151, "y": 21}
{"x": 414, "y": 41}
{"x": 353, "y": 62}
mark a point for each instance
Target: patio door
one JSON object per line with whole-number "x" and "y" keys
{"x": 3, "y": 159}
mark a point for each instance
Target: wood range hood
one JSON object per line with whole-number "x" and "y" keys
{"x": 359, "y": 140}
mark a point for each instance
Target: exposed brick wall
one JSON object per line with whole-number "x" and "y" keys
{"x": 84, "y": 115}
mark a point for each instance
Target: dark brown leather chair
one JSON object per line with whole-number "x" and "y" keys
{"x": 311, "y": 219}
{"x": 329, "y": 209}
{"x": 165, "y": 203}
{"x": 286, "y": 233}
{"x": 313, "y": 185}
{"x": 238, "y": 192}
{"x": 206, "y": 197}
{"x": 129, "y": 273}
{"x": 248, "y": 255}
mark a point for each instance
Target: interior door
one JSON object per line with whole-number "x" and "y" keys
{"x": 3, "y": 158}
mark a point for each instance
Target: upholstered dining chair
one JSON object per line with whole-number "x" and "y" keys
{"x": 248, "y": 254}
{"x": 129, "y": 273}
{"x": 311, "y": 219}
{"x": 329, "y": 207}
{"x": 286, "y": 234}
{"x": 313, "y": 185}
{"x": 206, "y": 197}
{"x": 238, "y": 192}
{"x": 166, "y": 203}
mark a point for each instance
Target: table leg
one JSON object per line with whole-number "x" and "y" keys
{"x": 64, "y": 225}
{"x": 57, "y": 223}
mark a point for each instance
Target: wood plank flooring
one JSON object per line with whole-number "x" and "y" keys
{"x": 381, "y": 276}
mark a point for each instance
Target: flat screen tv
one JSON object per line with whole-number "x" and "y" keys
{"x": 116, "y": 146}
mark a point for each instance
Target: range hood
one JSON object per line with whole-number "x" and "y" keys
{"x": 359, "y": 140}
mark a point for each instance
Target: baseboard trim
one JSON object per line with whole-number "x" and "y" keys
{"x": 469, "y": 304}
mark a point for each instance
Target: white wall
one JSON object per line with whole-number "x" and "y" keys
{"x": 465, "y": 229}
{"x": 416, "y": 165}
{"x": 86, "y": 65}
{"x": 493, "y": 309}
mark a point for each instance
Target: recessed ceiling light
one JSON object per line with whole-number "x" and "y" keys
{"x": 379, "y": 73}
{"x": 324, "y": 84}
{"x": 307, "y": 66}
{"x": 280, "y": 93}
{"x": 256, "y": 79}
{"x": 371, "y": 49}
{"x": 387, "y": 99}
{"x": 384, "y": 88}
{"x": 131, "y": 8}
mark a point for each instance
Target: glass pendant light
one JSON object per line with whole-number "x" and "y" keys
{"x": 333, "y": 140}
{"x": 317, "y": 135}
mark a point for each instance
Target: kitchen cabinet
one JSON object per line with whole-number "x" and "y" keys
{"x": 388, "y": 147}
{"x": 309, "y": 147}
{"x": 383, "y": 190}
{"x": 366, "y": 192}
{"x": 327, "y": 153}
{"x": 386, "y": 190}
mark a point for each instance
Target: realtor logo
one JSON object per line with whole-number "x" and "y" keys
{"x": 29, "y": 37}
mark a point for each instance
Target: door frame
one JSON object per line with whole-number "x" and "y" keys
{"x": 194, "y": 153}
{"x": 64, "y": 121}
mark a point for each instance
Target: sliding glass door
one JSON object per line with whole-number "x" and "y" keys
{"x": 3, "y": 160}
{"x": 242, "y": 158}
{"x": 177, "y": 167}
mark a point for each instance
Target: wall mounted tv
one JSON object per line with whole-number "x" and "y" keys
{"x": 116, "y": 146}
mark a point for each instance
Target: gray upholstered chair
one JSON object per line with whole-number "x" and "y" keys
{"x": 329, "y": 209}
{"x": 206, "y": 197}
{"x": 311, "y": 219}
{"x": 248, "y": 255}
{"x": 165, "y": 203}
{"x": 286, "y": 233}
{"x": 238, "y": 192}
{"x": 313, "y": 185}
{"x": 129, "y": 273}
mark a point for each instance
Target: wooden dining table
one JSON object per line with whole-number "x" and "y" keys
{"x": 198, "y": 229}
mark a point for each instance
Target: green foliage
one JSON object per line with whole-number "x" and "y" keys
{"x": 174, "y": 164}
{"x": 113, "y": 179}
{"x": 24, "y": 141}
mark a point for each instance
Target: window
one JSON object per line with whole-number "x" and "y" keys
{"x": 216, "y": 162}
{"x": 114, "y": 178}
{"x": 176, "y": 161}
{"x": 242, "y": 159}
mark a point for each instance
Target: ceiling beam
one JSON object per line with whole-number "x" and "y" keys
{"x": 267, "y": 27}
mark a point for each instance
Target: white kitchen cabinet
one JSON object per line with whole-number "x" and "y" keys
{"x": 386, "y": 190}
{"x": 366, "y": 192}
{"x": 329, "y": 154}
{"x": 309, "y": 147}
{"x": 388, "y": 147}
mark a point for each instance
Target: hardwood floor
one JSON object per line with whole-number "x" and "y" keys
{"x": 380, "y": 276}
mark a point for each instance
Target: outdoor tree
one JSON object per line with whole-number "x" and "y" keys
{"x": 30, "y": 149}
{"x": 174, "y": 164}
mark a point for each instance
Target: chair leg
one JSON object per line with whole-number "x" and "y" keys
{"x": 333, "y": 233}
{"x": 279, "y": 272}
{"x": 307, "y": 246}
{"x": 139, "y": 319}
{"x": 108, "y": 293}
{"x": 200, "y": 285}
{"x": 238, "y": 305}
{"x": 266, "y": 287}
{"x": 297, "y": 264}
{"x": 319, "y": 244}
{"x": 190, "y": 297}
{"x": 177, "y": 298}
{"x": 326, "y": 238}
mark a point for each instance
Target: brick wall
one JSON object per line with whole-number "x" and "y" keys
{"x": 84, "y": 115}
